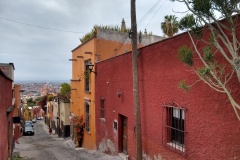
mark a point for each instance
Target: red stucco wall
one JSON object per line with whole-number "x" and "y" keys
{"x": 211, "y": 125}
{"x": 5, "y": 102}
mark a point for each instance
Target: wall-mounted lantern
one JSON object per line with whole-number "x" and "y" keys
{"x": 90, "y": 67}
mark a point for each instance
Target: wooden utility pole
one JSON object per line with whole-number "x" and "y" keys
{"x": 135, "y": 82}
{"x": 59, "y": 120}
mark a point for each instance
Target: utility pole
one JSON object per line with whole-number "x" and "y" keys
{"x": 135, "y": 81}
{"x": 58, "y": 115}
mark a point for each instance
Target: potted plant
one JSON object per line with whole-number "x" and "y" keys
{"x": 78, "y": 125}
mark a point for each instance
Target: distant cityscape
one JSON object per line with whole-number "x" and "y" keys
{"x": 41, "y": 81}
{"x": 31, "y": 89}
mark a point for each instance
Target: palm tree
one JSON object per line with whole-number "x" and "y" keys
{"x": 170, "y": 25}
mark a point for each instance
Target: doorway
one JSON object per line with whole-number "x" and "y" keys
{"x": 123, "y": 138}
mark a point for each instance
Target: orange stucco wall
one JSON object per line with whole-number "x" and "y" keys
{"x": 105, "y": 49}
{"x": 78, "y": 96}
{"x": 108, "y": 49}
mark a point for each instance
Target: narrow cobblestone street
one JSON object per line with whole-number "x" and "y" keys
{"x": 43, "y": 146}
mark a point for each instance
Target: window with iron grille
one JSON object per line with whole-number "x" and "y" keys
{"x": 115, "y": 124}
{"x": 102, "y": 107}
{"x": 87, "y": 76}
{"x": 87, "y": 115}
{"x": 174, "y": 127}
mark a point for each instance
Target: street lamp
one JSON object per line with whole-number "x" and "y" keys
{"x": 90, "y": 68}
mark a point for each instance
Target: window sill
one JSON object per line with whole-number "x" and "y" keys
{"x": 89, "y": 92}
{"x": 87, "y": 132}
{"x": 176, "y": 146}
{"x": 102, "y": 120}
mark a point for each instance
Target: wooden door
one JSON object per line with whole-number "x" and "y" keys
{"x": 124, "y": 134}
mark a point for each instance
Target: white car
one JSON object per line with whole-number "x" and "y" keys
{"x": 34, "y": 120}
{"x": 28, "y": 123}
{"x": 28, "y": 131}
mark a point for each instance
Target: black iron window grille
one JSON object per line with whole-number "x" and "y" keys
{"x": 87, "y": 116}
{"x": 174, "y": 131}
{"x": 87, "y": 76}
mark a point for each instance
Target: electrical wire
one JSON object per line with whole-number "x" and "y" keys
{"x": 155, "y": 13}
{"x": 151, "y": 9}
{"x": 42, "y": 27}
{"x": 140, "y": 21}
{"x": 121, "y": 44}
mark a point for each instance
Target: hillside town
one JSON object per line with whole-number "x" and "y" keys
{"x": 36, "y": 89}
{"x": 149, "y": 97}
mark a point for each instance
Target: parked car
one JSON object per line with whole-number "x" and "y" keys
{"x": 28, "y": 123}
{"x": 34, "y": 120}
{"x": 28, "y": 131}
{"x": 38, "y": 118}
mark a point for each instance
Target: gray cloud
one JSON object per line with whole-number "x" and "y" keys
{"x": 42, "y": 54}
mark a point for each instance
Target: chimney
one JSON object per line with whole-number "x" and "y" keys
{"x": 123, "y": 27}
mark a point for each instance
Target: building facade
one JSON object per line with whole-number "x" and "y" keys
{"x": 106, "y": 44}
{"x": 49, "y": 116}
{"x": 8, "y": 69}
{"x": 199, "y": 124}
{"x": 6, "y": 115}
{"x": 17, "y": 112}
{"x": 64, "y": 118}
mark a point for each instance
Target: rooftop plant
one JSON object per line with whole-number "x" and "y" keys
{"x": 93, "y": 32}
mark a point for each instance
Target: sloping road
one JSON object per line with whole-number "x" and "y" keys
{"x": 43, "y": 146}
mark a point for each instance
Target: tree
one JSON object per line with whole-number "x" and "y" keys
{"x": 220, "y": 61}
{"x": 170, "y": 25}
{"x": 43, "y": 101}
{"x": 31, "y": 102}
{"x": 65, "y": 89}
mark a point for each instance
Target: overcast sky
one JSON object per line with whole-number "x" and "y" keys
{"x": 43, "y": 54}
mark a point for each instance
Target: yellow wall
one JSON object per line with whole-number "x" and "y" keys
{"x": 106, "y": 50}
{"x": 78, "y": 96}
{"x": 28, "y": 115}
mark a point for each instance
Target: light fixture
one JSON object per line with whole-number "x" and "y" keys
{"x": 90, "y": 67}
{"x": 130, "y": 34}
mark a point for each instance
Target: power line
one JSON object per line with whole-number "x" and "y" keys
{"x": 151, "y": 9}
{"x": 139, "y": 22}
{"x": 155, "y": 13}
{"x": 42, "y": 27}
{"x": 121, "y": 44}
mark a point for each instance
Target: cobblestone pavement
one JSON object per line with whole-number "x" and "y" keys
{"x": 43, "y": 146}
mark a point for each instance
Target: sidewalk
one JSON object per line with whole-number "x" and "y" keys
{"x": 68, "y": 141}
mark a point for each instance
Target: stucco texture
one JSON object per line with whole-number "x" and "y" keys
{"x": 212, "y": 129}
{"x": 6, "y": 130}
